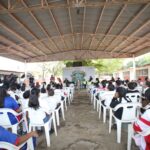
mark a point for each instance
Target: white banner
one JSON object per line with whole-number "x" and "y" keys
{"x": 78, "y": 73}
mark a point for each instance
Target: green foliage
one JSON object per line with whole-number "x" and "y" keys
{"x": 140, "y": 62}
{"x": 49, "y": 68}
{"x": 101, "y": 65}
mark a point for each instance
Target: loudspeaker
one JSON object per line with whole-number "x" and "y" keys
{"x": 77, "y": 64}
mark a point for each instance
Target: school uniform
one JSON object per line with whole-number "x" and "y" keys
{"x": 142, "y": 125}
{"x": 6, "y": 136}
{"x": 9, "y": 102}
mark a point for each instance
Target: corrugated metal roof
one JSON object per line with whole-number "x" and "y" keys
{"x": 40, "y": 30}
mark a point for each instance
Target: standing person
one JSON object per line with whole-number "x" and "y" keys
{"x": 60, "y": 83}
{"x": 52, "y": 78}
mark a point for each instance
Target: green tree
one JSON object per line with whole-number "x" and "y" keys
{"x": 101, "y": 65}
{"x": 51, "y": 68}
{"x": 145, "y": 60}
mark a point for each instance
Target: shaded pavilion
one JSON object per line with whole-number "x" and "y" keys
{"x": 49, "y": 30}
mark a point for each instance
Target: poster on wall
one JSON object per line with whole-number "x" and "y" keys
{"x": 75, "y": 74}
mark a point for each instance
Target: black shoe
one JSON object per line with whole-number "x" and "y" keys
{"x": 51, "y": 131}
{"x": 114, "y": 126}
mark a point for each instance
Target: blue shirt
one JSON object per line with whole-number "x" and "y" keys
{"x": 6, "y": 136}
{"x": 9, "y": 102}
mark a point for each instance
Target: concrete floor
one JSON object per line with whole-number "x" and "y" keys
{"x": 82, "y": 130}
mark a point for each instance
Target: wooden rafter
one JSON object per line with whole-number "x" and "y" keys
{"x": 113, "y": 24}
{"x": 145, "y": 50}
{"x": 88, "y": 4}
{"x": 39, "y": 24}
{"x": 19, "y": 37}
{"x": 129, "y": 23}
{"x": 132, "y": 34}
{"x": 26, "y": 28}
{"x": 91, "y": 50}
{"x": 83, "y": 23}
{"x": 98, "y": 23}
{"x": 86, "y": 34}
{"x": 133, "y": 44}
{"x": 71, "y": 26}
{"x": 17, "y": 47}
{"x": 142, "y": 46}
{"x": 56, "y": 25}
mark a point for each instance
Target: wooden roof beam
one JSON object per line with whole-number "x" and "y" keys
{"x": 18, "y": 48}
{"x": 71, "y": 26}
{"x": 133, "y": 44}
{"x": 129, "y": 23}
{"x": 56, "y": 25}
{"x": 88, "y": 34}
{"x": 143, "y": 45}
{"x": 26, "y": 28}
{"x": 132, "y": 34}
{"x": 83, "y": 24}
{"x": 11, "y": 48}
{"x": 113, "y": 24}
{"x": 9, "y": 42}
{"x": 142, "y": 51}
{"x": 19, "y": 37}
{"x": 88, "y": 4}
{"x": 98, "y": 23}
{"x": 39, "y": 24}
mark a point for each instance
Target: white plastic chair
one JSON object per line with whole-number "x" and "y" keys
{"x": 60, "y": 93}
{"x": 9, "y": 146}
{"x": 92, "y": 94}
{"x": 5, "y": 121}
{"x": 36, "y": 120}
{"x": 129, "y": 115}
{"x": 98, "y": 101}
{"x": 107, "y": 97}
{"x": 134, "y": 97}
{"x": 67, "y": 91}
{"x": 94, "y": 97}
{"x": 61, "y": 107}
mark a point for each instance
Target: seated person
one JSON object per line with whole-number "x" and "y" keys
{"x": 34, "y": 103}
{"x": 143, "y": 124}
{"x": 7, "y": 136}
{"x": 50, "y": 101}
{"x": 13, "y": 92}
{"x": 110, "y": 86}
{"x": 119, "y": 88}
{"x": 132, "y": 93}
{"x": 25, "y": 99}
{"x": 8, "y": 102}
{"x": 119, "y": 98}
{"x": 146, "y": 87}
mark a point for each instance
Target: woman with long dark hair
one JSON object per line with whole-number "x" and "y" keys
{"x": 8, "y": 102}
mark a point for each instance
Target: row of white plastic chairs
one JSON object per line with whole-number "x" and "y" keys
{"x": 130, "y": 112}
{"x": 34, "y": 121}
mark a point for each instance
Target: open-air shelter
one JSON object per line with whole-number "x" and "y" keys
{"x": 49, "y": 30}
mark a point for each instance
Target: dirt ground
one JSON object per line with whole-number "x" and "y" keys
{"x": 82, "y": 130}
